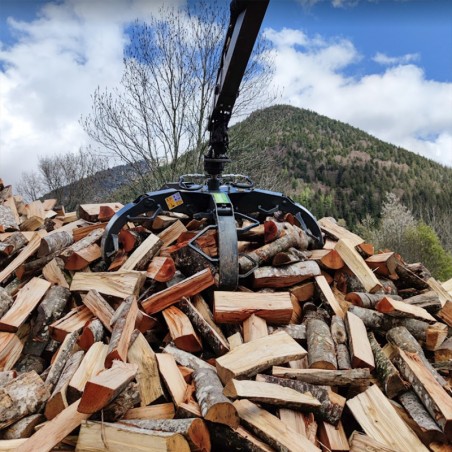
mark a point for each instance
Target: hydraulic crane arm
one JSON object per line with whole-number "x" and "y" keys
{"x": 246, "y": 19}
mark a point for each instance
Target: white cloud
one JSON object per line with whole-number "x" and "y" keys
{"x": 386, "y": 60}
{"x": 48, "y": 75}
{"x": 400, "y": 105}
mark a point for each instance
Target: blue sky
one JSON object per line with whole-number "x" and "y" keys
{"x": 384, "y": 66}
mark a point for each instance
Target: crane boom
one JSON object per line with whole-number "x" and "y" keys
{"x": 245, "y": 21}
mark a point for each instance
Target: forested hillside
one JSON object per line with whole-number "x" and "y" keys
{"x": 335, "y": 169}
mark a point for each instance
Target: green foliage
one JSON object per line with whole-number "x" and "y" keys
{"x": 414, "y": 240}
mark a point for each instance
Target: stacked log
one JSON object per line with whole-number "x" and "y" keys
{"x": 148, "y": 350}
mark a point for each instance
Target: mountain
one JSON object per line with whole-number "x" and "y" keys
{"x": 335, "y": 169}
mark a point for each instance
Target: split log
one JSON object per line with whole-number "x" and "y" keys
{"x": 402, "y": 338}
{"x": 367, "y": 300}
{"x": 409, "y": 279}
{"x": 64, "y": 353}
{"x": 194, "y": 430}
{"x": 234, "y": 340}
{"x": 444, "y": 352}
{"x": 58, "y": 400}
{"x": 445, "y": 313}
{"x": 174, "y": 381}
{"x": 396, "y": 308}
{"x": 270, "y": 393}
{"x": 119, "y": 284}
{"x": 356, "y": 377}
{"x": 333, "y": 438}
{"x": 54, "y": 431}
{"x": 26, "y": 252}
{"x": 358, "y": 266}
{"x": 119, "y": 437}
{"x": 420, "y": 416}
{"x": 295, "y": 420}
{"x": 54, "y": 242}
{"x": 235, "y": 307}
{"x": 189, "y": 409}
{"x": 294, "y": 238}
{"x": 360, "y": 442}
{"x": 27, "y": 299}
{"x": 122, "y": 332}
{"x": 186, "y": 288}
{"x": 91, "y": 365}
{"x": 81, "y": 232}
{"x": 254, "y": 327}
{"x": 331, "y": 404}
{"x": 387, "y": 373}
{"x": 161, "y": 269}
{"x": 428, "y": 300}
{"x": 82, "y": 258}
{"x": 438, "y": 288}
{"x": 6, "y": 301}
{"x": 69, "y": 255}
{"x": 10, "y": 349}
{"x": 271, "y": 429}
{"x": 303, "y": 292}
{"x": 360, "y": 350}
{"x": 72, "y": 322}
{"x": 92, "y": 332}
{"x": 186, "y": 359}
{"x": 53, "y": 272}
{"x": 94, "y": 301}
{"x": 211, "y": 335}
{"x": 333, "y": 230}
{"x": 253, "y": 357}
{"x": 116, "y": 409}
{"x": 23, "y": 428}
{"x": 321, "y": 350}
{"x": 435, "y": 399}
{"x": 141, "y": 354}
{"x": 215, "y": 407}
{"x": 171, "y": 233}
{"x": 181, "y": 330}
{"x": 297, "y": 332}
{"x": 329, "y": 259}
{"x": 101, "y": 389}
{"x": 156, "y": 412}
{"x": 432, "y": 336}
{"x": 141, "y": 257}
{"x": 12, "y": 244}
{"x": 380, "y": 421}
{"x": 33, "y": 267}
{"x": 327, "y": 296}
{"x": 21, "y": 397}
{"x": 384, "y": 264}
{"x": 226, "y": 438}
{"x": 50, "y": 309}
{"x": 90, "y": 212}
{"x": 279, "y": 277}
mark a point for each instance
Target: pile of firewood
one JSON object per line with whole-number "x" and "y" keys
{"x": 343, "y": 348}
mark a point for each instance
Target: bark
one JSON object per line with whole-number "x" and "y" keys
{"x": 12, "y": 244}
{"x": 343, "y": 357}
{"x": 367, "y": 300}
{"x": 6, "y": 301}
{"x": 21, "y": 397}
{"x": 416, "y": 410}
{"x": 126, "y": 400}
{"x": 296, "y": 238}
{"x": 7, "y": 220}
{"x": 23, "y": 428}
{"x": 186, "y": 359}
{"x": 331, "y": 406}
{"x": 215, "y": 341}
{"x": 92, "y": 332}
{"x": 338, "y": 331}
{"x": 29, "y": 362}
{"x": 321, "y": 351}
{"x": 386, "y": 371}
{"x": 429, "y": 301}
{"x": 6, "y": 376}
{"x": 55, "y": 242}
{"x": 402, "y": 338}
{"x": 214, "y": 405}
{"x": 34, "y": 266}
{"x": 297, "y": 332}
{"x": 194, "y": 430}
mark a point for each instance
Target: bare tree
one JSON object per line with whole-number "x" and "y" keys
{"x": 72, "y": 178}
{"x": 160, "y": 110}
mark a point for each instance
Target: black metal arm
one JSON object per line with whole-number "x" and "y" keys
{"x": 246, "y": 19}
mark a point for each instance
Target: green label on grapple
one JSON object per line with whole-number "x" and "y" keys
{"x": 221, "y": 198}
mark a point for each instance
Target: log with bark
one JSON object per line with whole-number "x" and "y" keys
{"x": 321, "y": 350}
